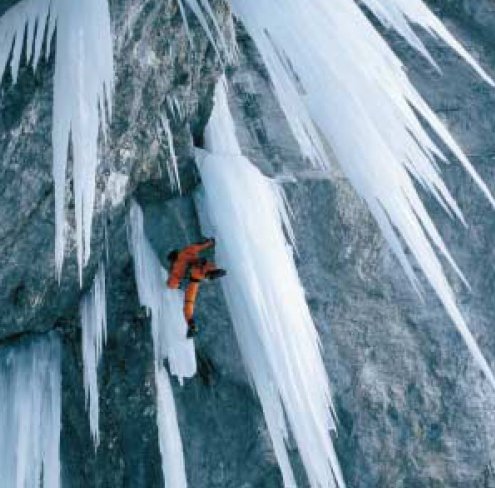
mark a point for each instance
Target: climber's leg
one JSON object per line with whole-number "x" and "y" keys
{"x": 192, "y": 329}
{"x": 189, "y": 305}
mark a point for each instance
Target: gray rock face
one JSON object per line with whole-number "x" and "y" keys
{"x": 414, "y": 410}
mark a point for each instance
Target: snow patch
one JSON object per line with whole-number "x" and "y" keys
{"x": 116, "y": 187}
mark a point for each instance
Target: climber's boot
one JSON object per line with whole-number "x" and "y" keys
{"x": 192, "y": 330}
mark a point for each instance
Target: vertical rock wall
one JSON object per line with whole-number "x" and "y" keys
{"x": 414, "y": 410}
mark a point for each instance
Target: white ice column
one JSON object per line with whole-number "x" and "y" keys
{"x": 30, "y": 413}
{"x": 245, "y": 211}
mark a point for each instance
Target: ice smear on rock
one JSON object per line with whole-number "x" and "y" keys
{"x": 30, "y": 414}
{"x": 350, "y": 92}
{"x": 83, "y": 87}
{"x": 169, "y": 330}
{"x": 94, "y": 333}
{"x": 274, "y": 328}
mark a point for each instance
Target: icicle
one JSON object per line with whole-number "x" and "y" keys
{"x": 94, "y": 334}
{"x": 172, "y": 167}
{"x": 205, "y": 15}
{"x": 186, "y": 23}
{"x": 357, "y": 96}
{"x": 169, "y": 330}
{"x": 397, "y": 14}
{"x": 274, "y": 328}
{"x": 28, "y": 13}
{"x": 220, "y": 136}
{"x": 84, "y": 64}
{"x": 173, "y": 467}
{"x": 167, "y": 318}
{"x": 175, "y": 108}
{"x": 83, "y": 90}
{"x": 30, "y": 414}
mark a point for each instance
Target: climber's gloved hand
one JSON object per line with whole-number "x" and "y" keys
{"x": 217, "y": 273}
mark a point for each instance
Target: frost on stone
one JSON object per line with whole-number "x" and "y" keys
{"x": 93, "y": 312}
{"x": 82, "y": 99}
{"x": 30, "y": 414}
{"x": 277, "y": 337}
{"x": 341, "y": 87}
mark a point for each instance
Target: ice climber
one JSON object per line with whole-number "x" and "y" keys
{"x": 180, "y": 261}
{"x": 188, "y": 259}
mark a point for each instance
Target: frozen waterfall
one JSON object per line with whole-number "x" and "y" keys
{"x": 30, "y": 418}
{"x": 245, "y": 211}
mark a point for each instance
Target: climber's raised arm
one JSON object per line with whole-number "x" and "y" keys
{"x": 203, "y": 245}
{"x": 181, "y": 260}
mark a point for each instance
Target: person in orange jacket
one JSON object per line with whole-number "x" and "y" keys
{"x": 180, "y": 261}
{"x": 200, "y": 270}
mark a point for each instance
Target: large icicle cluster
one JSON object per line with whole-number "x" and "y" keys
{"x": 336, "y": 78}
{"x": 398, "y": 14}
{"x": 93, "y": 312}
{"x": 169, "y": 330}
{"x": 206, "y": 17}
{"x": 276, "y": 334}
{"x": 30, "y": 415}
{"x": 83, "y": 88}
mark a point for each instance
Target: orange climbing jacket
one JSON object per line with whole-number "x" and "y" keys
{"x": 200, "y": 271}
{"x": 181, "y": 260}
